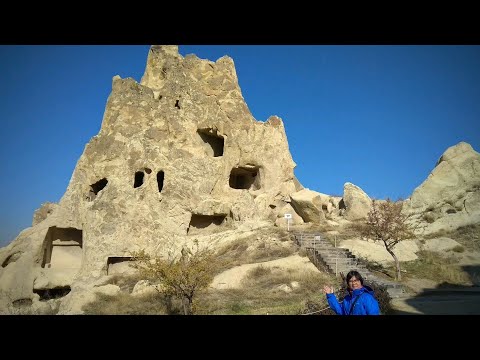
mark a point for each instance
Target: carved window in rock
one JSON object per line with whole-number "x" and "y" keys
{"x": 160, "y": 178}
{"x": 139, "y": 178}
{"x": 138, "y": 181}
{"x": 205, "y": 223}
{"x": 54, "y": 293}
{"x": 247, "y": 177}
{"x": 11, "y": 258}
{"x": 119, "y": 265}
{"x": 96, "y": 188}
{"x": 62, "y": 248}
{"x": 214, "y": 143}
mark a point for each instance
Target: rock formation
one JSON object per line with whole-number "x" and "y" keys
{"x": 357, "y": 203}
{"x": 315, "y": 207}
{"x": 178, "y": 154}
{"x": 450, "y": 196}
{"x": 179, "y": 157}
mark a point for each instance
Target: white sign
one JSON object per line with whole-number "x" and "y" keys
{"x": 288, "y": 216}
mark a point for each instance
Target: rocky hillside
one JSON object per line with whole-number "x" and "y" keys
{"x": 179, "y": 157}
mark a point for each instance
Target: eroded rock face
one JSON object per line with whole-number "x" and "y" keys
{"x": 315, "y": 207}
{"x": 356, "y": 202}
{"x": 308, "y": 204}
{"x": 294, "y": 219}
{"x": 43, "y": 212}
{"x": 450, "y": 196}
{"x": 178, "y": 154}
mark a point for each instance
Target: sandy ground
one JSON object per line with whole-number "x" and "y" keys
{"x": 232, "y": 278}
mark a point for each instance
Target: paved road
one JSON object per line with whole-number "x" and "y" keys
{"x": 464, "y": 301}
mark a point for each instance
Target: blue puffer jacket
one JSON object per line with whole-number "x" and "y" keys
{"x": 365, "y": 305}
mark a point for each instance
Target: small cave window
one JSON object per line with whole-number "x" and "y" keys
{"x": 11, "y": 259}
{"x": 119, "y": 265}
{"x": 204, "y": 222}
{"x": 177, "y": 104}
{"x": 96, "y": 188}
{"x": 215, "y": 143}
{"x": 148, "y": 171}
{"x": 160, "y": 178}
{"x": 139, "y": 175}
{"x": 245, "y": 178}
{"x": 55, "y": 293}
{"x": 341, "y": 205}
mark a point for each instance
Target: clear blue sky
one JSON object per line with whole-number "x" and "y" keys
{"x": 376, "y": 116}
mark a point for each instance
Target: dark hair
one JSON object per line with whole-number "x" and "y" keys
{"x": 353, "y": 273}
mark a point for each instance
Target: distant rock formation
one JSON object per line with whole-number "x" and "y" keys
{"x": 308, "y": 204}
{"x": 315, "y": 207}
{"x": 357, "y": 203}
{"x": 450, "y": 196}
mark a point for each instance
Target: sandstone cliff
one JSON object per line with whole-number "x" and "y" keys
{"x": 178, "y": 155}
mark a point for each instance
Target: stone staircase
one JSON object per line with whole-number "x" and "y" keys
{"x": 338, "y": 260}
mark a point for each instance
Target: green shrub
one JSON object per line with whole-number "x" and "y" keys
{"x": 431, "y": 265}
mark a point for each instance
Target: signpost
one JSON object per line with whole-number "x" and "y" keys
{"x": 288, "y": 217}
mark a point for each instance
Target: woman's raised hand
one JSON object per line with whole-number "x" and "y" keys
{"x": 327, "y": 289}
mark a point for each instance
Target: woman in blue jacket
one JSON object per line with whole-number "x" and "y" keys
{"x": 359, "y": 300}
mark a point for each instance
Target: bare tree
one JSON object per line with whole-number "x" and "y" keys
{"x": 386, "y": 222}
{"x": 182, "y": 276}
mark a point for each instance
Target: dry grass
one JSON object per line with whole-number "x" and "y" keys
{"x": 468, "y": 236}
{"x": 458, "y": 249}
{"x": 262, "y": 287}
{"x": 266, "y": 246}
{"x": 349, "y": 231}
{"x": 433, "y": 266}
{"x": 262, "y": 294}
{"x": 259, "y": 272}
{"x": 126, "y": 304}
